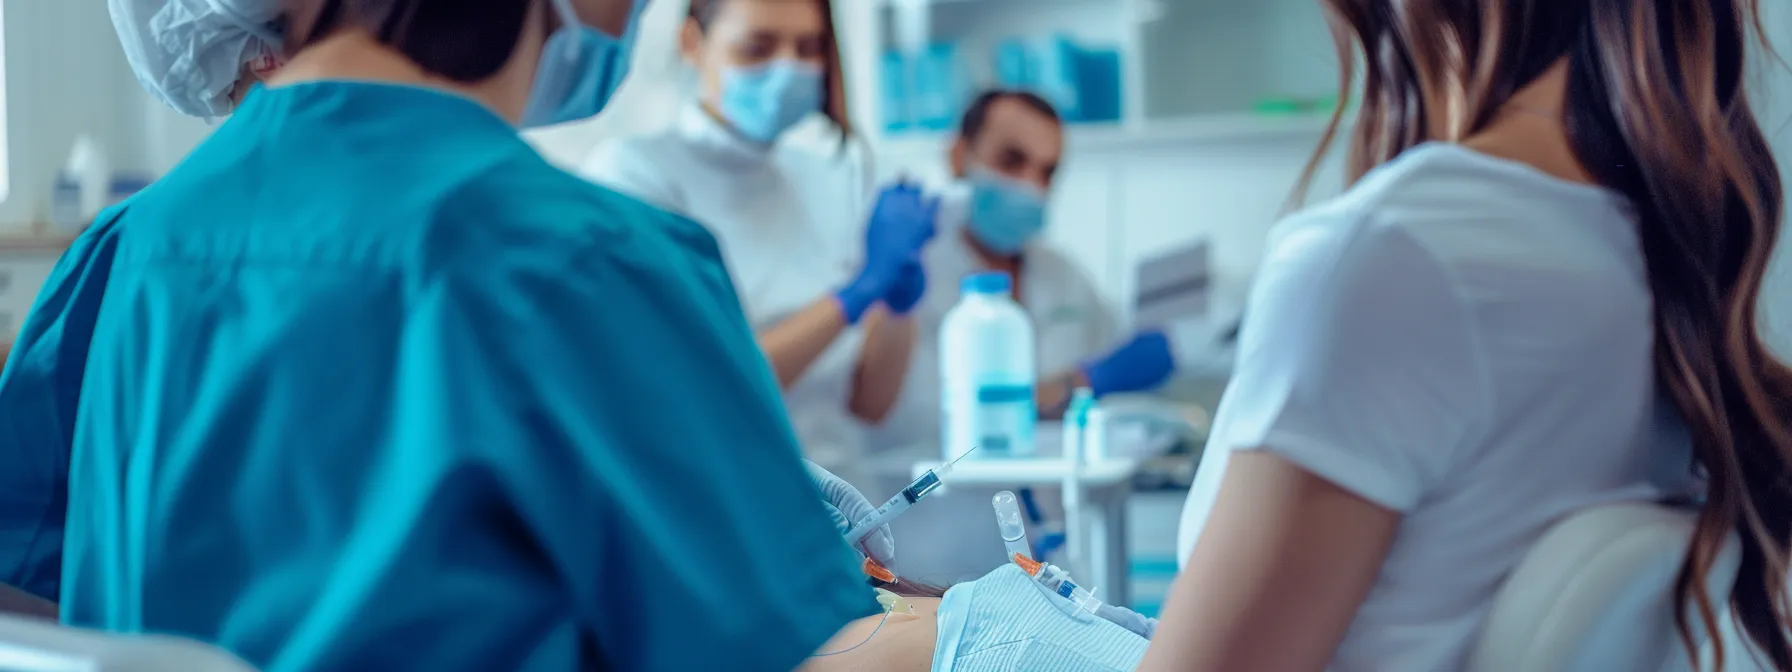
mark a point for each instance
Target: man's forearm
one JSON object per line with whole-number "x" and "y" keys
{"x": 1052, "y": 394}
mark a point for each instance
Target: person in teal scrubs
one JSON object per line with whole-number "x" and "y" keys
{"x": 367, "y": 384}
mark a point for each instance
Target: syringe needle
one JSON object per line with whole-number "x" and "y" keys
{"x": 961, "y": 456}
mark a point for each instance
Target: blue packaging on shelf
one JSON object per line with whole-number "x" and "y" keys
{"x": 940, "y": 86}
{"x": 1083, "y": 83}
{"x": 898, "y": 78}
{"x": 1098, "y": 71}
{"x": 1014, "y": 65}
{"x": 1055, "y": 75}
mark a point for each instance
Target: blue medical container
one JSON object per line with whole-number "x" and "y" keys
{"x": 898, "y": 114}
{"x": 1014, "y": 65}
{"x": 1083, "y": 83}
{"x": 941, "y": 87}
{"x": 1098, "y": 90}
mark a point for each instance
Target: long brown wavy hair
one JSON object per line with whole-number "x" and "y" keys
{"x": 1656, "y": 110}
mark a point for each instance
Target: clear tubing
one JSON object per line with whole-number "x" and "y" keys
{"x": 1008, "y": 521}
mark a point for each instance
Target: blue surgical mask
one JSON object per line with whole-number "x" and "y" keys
{"x": 761, "y": 102}
{"x": 581, "y": 68}
{"x": 1005, "y": 214}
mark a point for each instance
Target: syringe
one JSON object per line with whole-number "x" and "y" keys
{"x": 1008, "y": 521}
{"x": 921, "y": 487}
{"x": 1058, "y": 581}
{"x": 1083, "y": 599}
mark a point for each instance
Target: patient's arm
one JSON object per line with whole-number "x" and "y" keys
{"x": 15, "y": 602}
{"x": 904, "y": 644}
{"x": 1277, "y": 575}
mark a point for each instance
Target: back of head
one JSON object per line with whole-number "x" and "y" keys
{"x": 1656, "y": 110}
{"x": 1014, "y": 133}
{"x": 464, "y": 41}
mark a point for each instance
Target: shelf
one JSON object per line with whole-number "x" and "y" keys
{"x": 1209, "y": 128}
{"x": 28, "y": 242}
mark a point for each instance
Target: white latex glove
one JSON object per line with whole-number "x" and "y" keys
{"x": 847, "y": 505}
{"x": 1138, "y": 623}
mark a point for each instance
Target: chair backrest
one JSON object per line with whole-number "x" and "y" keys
{"x": 30, "y": 645}
{"x": 1596, "y": 594}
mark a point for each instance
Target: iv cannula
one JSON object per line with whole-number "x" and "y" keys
{"x": 1008, "y": 522}
{"x": 921, "y": 487}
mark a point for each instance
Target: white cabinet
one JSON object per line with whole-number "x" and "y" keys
{"x": 1190, "y": 70}
{"x": 1223, "y": 57}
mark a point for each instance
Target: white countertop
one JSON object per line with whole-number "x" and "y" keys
{"x": 27, "y": 242}
{"x": 1034, "y": 471}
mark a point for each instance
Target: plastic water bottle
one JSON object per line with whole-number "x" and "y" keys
{"x": 987, "y": 372}
{"x": 87, "y": 165}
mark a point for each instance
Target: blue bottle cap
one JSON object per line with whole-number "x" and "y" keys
{"x": 985, "y": 283}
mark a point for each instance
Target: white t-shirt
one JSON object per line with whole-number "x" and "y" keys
{"x": 1464, "y": 340}
{"x": 790, "y": 222}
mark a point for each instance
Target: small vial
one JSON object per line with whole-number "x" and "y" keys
{"x": 1008, "y": 521}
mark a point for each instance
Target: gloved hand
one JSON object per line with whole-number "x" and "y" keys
{"x": 900, "y": 226}
{"x": 1138, "y": 623}
{"x": 906, "y": 292}
{"x": 848, "y": 506}
{"x": 1143, "y": 363}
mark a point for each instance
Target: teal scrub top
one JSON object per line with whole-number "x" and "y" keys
{"x": 367, "y": 384}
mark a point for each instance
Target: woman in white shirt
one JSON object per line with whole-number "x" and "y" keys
{"x": 1562, "y": 215}
{"x": 827, "y": 292}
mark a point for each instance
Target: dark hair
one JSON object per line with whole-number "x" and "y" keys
{"x": 908, "y": 588}
{"x": 1656, "y": 111}
{"x": 18, "y": 602}
{"x": 976, "y": 115}
{"x": 833, "y": 85}
{"x": 462, "y": 40}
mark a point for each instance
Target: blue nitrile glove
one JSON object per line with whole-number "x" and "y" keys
{"x": 1143, "y": 363}
{"x": 900, "y": 226}
{"x": 845, "y": 504}
{"x": 906, "y": 292}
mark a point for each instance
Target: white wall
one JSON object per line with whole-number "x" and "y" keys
{"x": 65, "y": 75}
{"x": 168, "y": 136}
{"x": 647, "y": 101}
